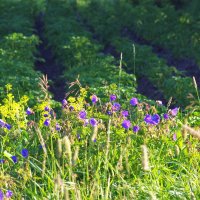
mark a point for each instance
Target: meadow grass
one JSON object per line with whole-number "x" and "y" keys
{"x": 91, "y": 150}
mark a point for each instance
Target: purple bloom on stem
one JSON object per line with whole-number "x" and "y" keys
{"x": 78, "y": 136}
{"x": 95, "y": 140}
{"x": 134, "y": 101}
{"x": 125, "y": 113}
{"x": 116, "y": 107}
{"x": 82, "y": 114}
{"x": 29, "y": 111}
{"x": 94, "y": 99}
{"x": 2, "y": 123}
{"x": 174, "y": 137}
{"x": 46, "y": 115}
{"x": 14, "y": 158}
{"x": 64, "y": 102}
{"x": 46, "y": 108}
{"x": 1, "y": 195}
{"x": 9, "y": 194}
{"x": 126, "y": 124}
{"x": 166, "y": 116}
{"x": 71, "y": 108}
{"x": 147, "y": 119}
{"x": 24, "y": 153}
{"x": 136, "y": 129}
{"x": 154, "y": 119}
{"x": 2, "y": 161}
{"x": 86, "y": 122}
{"x": 93, "y": 122}
{"x": 174, "y": 111}
{"x": 113, "y": 97}
{"x": 47, "y": 122}
{"x": 58, "y": 127}
{"x": 8, "y": 126}
{"x": 109, "y": 112}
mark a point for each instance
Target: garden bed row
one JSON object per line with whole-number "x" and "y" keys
{"x": 18, "y": 48}
{"x": 81, "y": 55}
{"x": 107, "y": 27}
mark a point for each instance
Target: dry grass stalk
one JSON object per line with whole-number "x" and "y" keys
{"x": 75, "y": 157}
{"x": 59, "y": 186}
{"x": 177, "y": 150}
{"x": 95, "y": 132}
{"x": 169, "y": 102}
{"x": 145, "y": 159}
{"x": 195, "y": 83}
{"x": 66, "y": 194}
{"x": 44, "y": 86}
{"x": 59, "y": 148}
{"x": 192, "y": 131}
{"x": 67, "y": 147}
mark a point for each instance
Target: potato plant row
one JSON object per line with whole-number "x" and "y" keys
{"x": 80, "y": 53}
{"x": 108, "y": 26}
{"x": 18, "y": 47}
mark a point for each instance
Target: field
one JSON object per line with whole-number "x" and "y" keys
{"x": 99, "y": 99}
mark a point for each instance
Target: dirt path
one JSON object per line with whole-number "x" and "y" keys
{"x": 49, "y": 66}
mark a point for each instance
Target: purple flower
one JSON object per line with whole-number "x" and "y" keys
{"x": 9, "y": 194}
{"x": 126, "y": 124}
{"x": 46, "y": 115}
{"x": 29, "y": 111}
{"x": 174, "y": 137}
{"x": 2, "y": 123}
{"x": 47, "y": 122}
{"x": 136, "y": 129}
{"x": 93, "y": 122}
{"x": 147, "y": 119}
{"x": 82, "y": 114}
{"x": 58, "y": 127}
{"x": 125, "y": 113}
{"x": 8, "y": 126}
{"x": 2, "y": 161}
{"x": 113, "y": 97}
{"x": 24, "y": 153}
{"x": 94, "y": 99}
{"x": 14, "y": 158}
{"x": 71, "y": 108}
{"x": 116, "y": 107}
{"x": 134, "y": 101}
{"x": 1, "y": 195}
{"x": 64, "y": 102}
{"x": 78, "y": 136}
{"x": 174, "y": 111}
{"x": 156, "y": 119}
{"x": 152, "y": 119}
{"x": 166, "y": 116}
{"x": 86, "y": 122}
{"x": 109, "y": 112}
{"x": 46, "y": 108}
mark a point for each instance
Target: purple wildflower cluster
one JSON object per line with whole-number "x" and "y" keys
{"x": 24, "y": 153}
{"x": 152, "y": 119}
{"x": 127, "y": 124}
{"x": 8, "y": 194}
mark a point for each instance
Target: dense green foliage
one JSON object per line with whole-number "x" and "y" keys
{"x": 18, "y": 47}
